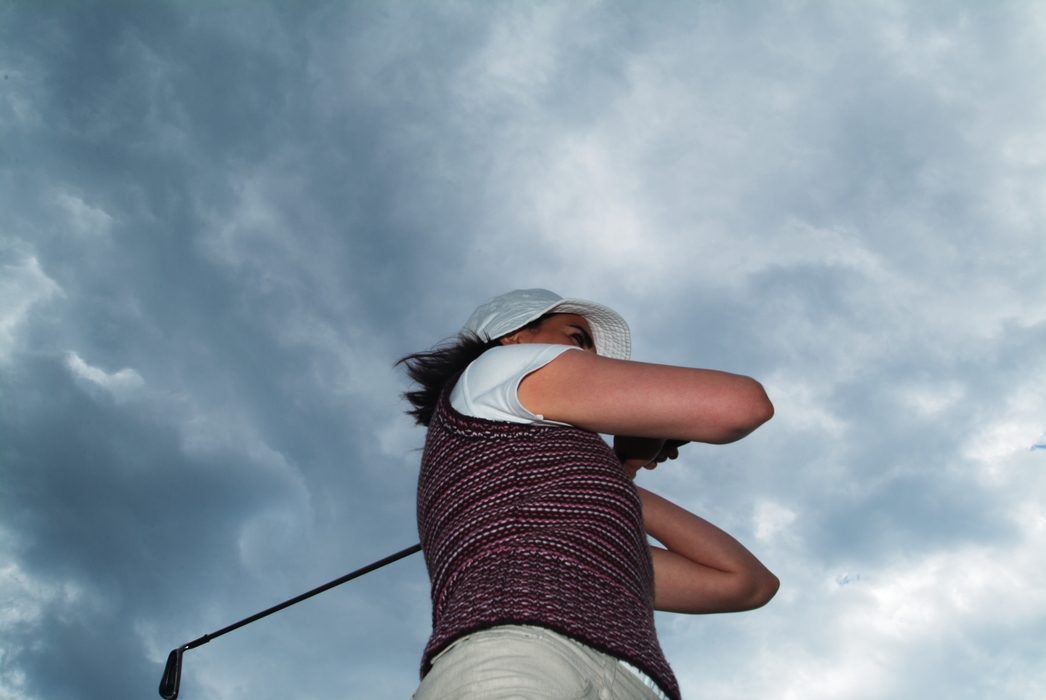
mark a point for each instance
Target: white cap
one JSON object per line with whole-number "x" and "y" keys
{"x": 509, "y": 312}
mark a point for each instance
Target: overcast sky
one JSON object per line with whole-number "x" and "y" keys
{"x": 222, "y": 223}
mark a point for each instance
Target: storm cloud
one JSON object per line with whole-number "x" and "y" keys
{"x": 221, "y": 224}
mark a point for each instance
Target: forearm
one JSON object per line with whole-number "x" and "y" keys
{"x": 702, "y": 569}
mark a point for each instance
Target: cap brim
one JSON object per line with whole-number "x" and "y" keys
{"x": 609, "y": 330}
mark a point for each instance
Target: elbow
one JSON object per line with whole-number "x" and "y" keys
{"x": 751, "y": 408}
{"x": 758, "y": 408}
{"x": 758, "y": 589}
{"x": 764, "y": 590}
{"x": 745, "y": 592}
{"x": 766, "y": 408}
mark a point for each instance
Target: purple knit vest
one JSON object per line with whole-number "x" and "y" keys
{"x": 535, "y": 525}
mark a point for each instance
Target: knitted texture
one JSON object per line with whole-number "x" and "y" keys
{"x": 536, "y": 525}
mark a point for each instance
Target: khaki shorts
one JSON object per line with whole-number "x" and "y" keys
{"x": 516, "y": 662}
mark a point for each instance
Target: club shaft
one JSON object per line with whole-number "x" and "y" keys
{"x": 315, "y": 591}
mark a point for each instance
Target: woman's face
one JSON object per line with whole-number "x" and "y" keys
{"x": 557, "y": 329}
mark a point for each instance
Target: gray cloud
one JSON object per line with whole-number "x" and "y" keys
{"x": 223, "y": 224}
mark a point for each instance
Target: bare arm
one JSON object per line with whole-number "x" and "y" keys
{"x": 703, "y": 569}
{"x": 620, "y": 397}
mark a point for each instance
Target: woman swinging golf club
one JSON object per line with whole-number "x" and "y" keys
{"x": 534, "y": 535}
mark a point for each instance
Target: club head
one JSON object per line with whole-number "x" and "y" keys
{"x": 172, "y": 675}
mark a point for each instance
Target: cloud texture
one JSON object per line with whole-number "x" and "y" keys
{"x": 222, "y": 223}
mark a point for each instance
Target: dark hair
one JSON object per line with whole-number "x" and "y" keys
{"x": 432, "y": 369}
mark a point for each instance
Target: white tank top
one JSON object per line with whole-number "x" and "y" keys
{"x": 488, "y": 387}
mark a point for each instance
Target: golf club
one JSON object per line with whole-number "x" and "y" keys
{"x": 172, "y": 673}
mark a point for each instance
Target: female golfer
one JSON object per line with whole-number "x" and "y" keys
{"x": 535, "y": 537}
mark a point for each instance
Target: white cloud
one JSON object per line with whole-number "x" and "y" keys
{"x": 933, "y": 399}
{"x": 801, "y": 404}
{"x": 21, "y": 287}
{"x": 772, "y": 520}
{"x": 21, "y": 105}
{"x": 1005, "y": 440}
{"x": 272, "y": 533}
{"x": 883, "y": 631}
{"x": 122, "y": 385}
{"x": 27, "y": 600}
{"x": 84, "y": 219}
{"x": 517, "y": 61}
{"x": 255, "y": 228}
{"x": 855, "y": 192}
